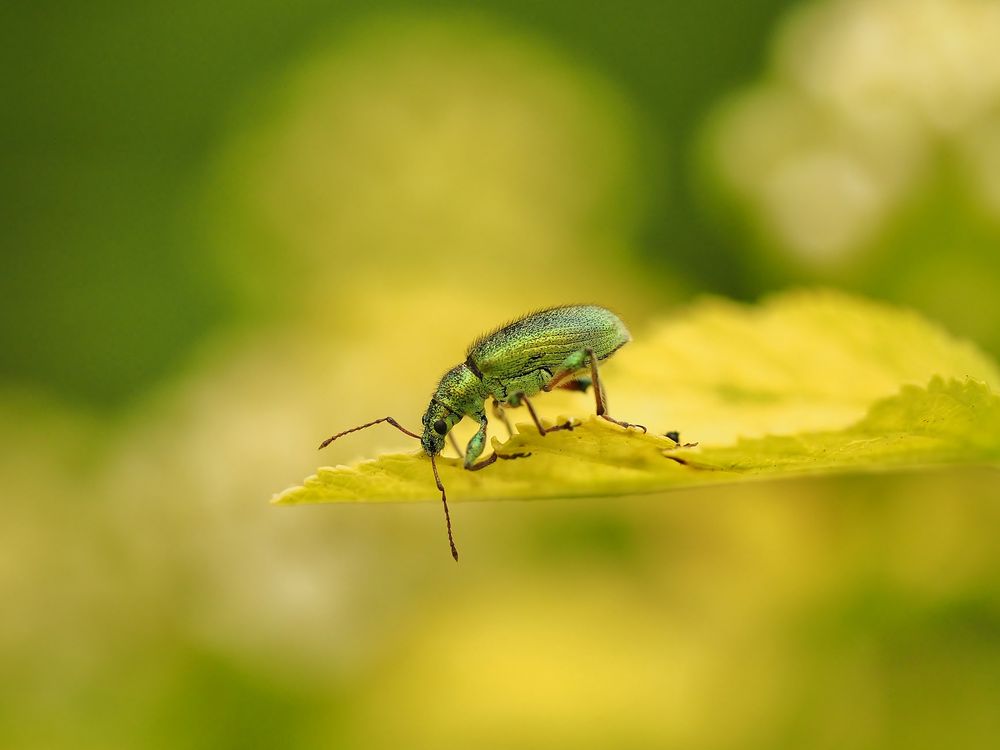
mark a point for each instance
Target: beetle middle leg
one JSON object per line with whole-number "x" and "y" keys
{"x": 519, "y": 398}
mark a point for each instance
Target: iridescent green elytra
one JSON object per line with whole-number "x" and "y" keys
{"x": 544, "y": 350}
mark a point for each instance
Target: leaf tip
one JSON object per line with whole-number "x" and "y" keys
{"x": 290, "y": 495}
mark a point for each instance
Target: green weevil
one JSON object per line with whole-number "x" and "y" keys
{"x": 547, "y": 349}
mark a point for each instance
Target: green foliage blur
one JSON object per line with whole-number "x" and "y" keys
{"x": 231, "y": 229}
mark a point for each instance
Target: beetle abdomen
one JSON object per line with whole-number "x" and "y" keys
{"x": 544, "y": 339}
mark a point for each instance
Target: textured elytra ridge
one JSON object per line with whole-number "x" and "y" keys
{"x": 841, "y": 384}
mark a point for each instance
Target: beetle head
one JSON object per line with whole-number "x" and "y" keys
{"x": 460, "y": 393}
{"x": 438, "y": 421}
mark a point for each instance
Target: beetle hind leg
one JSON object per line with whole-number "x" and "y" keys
{"x": 601, "y": 400}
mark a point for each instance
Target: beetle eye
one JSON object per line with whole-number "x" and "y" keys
{"x": 440, "y": 427}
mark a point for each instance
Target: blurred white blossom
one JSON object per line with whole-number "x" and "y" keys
{"x": 862, "y": 95}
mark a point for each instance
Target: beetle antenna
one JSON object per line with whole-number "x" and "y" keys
{"x": 447, "y": 516}
{"x": 390, "y": 420}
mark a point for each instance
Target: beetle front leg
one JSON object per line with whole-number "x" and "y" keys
{"x": 475, "y": 449}
{"x": 476, "y": 444}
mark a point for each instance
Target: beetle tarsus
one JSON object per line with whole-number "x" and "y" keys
{"x": 492, "y": 459}
{"x": 626, "y": 425}
{"x": 509, "y": 456}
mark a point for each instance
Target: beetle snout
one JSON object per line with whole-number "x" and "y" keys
{"x": 432, "y": 443}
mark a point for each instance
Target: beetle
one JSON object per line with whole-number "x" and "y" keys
{"x": 547, "y": 349}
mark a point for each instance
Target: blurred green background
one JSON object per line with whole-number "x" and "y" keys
{"x": 230, "y": 229}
